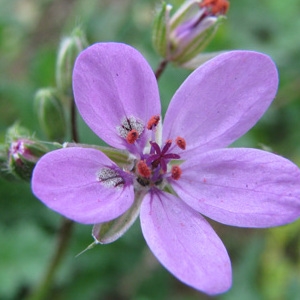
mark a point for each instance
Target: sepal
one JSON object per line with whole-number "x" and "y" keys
{"x": 50, "y": 113}
{"x": 110, "y": 231}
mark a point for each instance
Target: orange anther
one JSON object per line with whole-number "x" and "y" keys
{"x": 181, "y": 143}
{"x": 176, "y": 172}
{"x": 153, "y": 122}
{"x": 216, "y": 7}
{"x": 143, "y": 169}
{"x": 132, "y": 136}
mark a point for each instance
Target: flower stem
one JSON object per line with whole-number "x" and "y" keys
{"x": 64, "y": 235}
{"x": 162, "y": 66}
{"x": 74, "y": 130}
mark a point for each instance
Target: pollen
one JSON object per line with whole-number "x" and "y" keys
{"x": 110, "y": 178}
{"x": 176, "y": 172}
{"x": 152, "y": 123}
{"x": 132, "y": 136}
{"x": 181, "y": 143}
{"x": 143, "y": 169}
{"x": 216, "y": 7}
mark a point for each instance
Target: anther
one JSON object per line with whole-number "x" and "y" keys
{"x": 216, "y": 7}
{"x": 110, "y": 178}
{"x": 143, "y": 169}
{"x": 152, "y": 123}
{"x": 132, "y": 136}
{"x": 181, "y": 143}
{"x": 176, "y": 172}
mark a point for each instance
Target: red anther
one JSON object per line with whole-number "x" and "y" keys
{"x": 153, "y": 122}
{"x": 181, "y": 142}
{"x": 176, "y": 172}
{"x": 143, "y": 169}
{"x": 132, "y": 136}
{"x": 216, "y": 7}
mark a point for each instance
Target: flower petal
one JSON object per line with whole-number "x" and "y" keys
{"x": 66, "y": 180}
{"x": 241, "y": 187}
{"x": 185, "y": 243}
{"x": 112, "y": 81}
{"x": 221, "y": 100}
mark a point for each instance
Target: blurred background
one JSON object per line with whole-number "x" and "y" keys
{"x": 266, "y": 262}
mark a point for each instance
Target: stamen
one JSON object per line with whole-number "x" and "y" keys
{"x": 110, "y": 178}
{"x": 130, "y": 129}
{"x": 132, "y": 136}
{"x": 216, "y": 7}
{"x": 181, "y": 143}
{"x": 176, "y": 172}
{"x": 143, "y": 169}
{"x": 152, "y": 123}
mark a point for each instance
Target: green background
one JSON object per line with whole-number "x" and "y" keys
{"x": 266, "y": 262}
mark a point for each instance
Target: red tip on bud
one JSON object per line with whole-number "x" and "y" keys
{"x": 152, "y": 123}
{"x": 181, "y": 143}
{"x": 143, "y": 169}
{"x": 216, "y": 7}
{"x": 176, "y": 172}
{"x": 132, "y": 136}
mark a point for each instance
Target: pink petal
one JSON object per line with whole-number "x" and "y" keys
{"x": 185, "y": 243}
{"x": 241, "y": 187}
{"x": 66, "y": 180}
{"x": 112, "y": 81}
{"x": 221, "y": 100}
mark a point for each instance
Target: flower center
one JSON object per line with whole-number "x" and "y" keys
{"x": 152, "y": 167}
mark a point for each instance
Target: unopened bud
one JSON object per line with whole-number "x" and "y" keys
{"x": 50, "y": 114}
{"x": 185, "y": 34}
{"x": 68, "y": 51}
{"x": 4, "y": 173}
{"x": 22, "y": 152}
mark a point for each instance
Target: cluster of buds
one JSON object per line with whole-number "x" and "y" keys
{"x": 181, "y": 37}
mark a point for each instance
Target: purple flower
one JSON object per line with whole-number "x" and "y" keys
{"x": 181, "y": 172}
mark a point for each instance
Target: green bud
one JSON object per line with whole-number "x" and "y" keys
{"x": 4, "y": 173}
{"x": 159, "y": 33}
{"x": 68, "y": 51}
{"x": 50, "y": 113}
{"x": 23, "y": 152}
{"x": 181, "y": 37}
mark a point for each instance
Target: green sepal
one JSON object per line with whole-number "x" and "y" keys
{"x": 50, "y": 113}
{"x": 68, "y": 51}
{"x": 121, "y": 157}
{"x": 110, "y": 231}
{"x": 160, "y": 30}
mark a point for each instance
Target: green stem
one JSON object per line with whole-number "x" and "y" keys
{"x": 73, "y": 122}
{"x": 64, "y": 236}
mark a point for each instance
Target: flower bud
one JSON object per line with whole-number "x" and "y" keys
{"x": 50, "y": 113}
{"x": 68, "y": 51}
{"x": 181, "y": 37}
{"x": 3, "y": 163}
{"x": 23, "y": 152}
